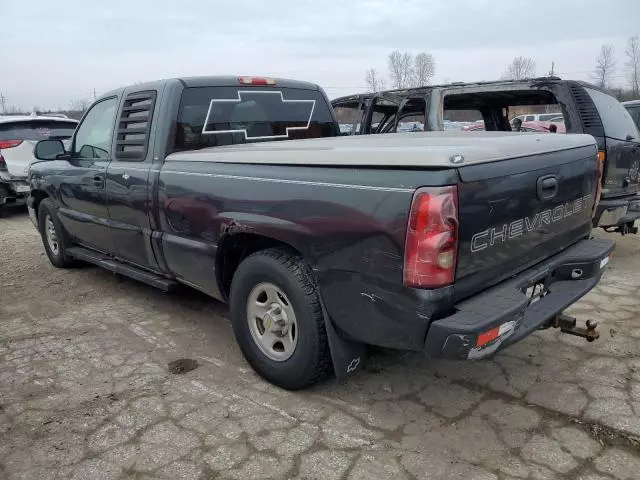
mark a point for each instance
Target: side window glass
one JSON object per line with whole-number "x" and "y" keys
{"x": 348, "y": 116}
{"x": 635, "y": 114}
{"x": 94, "y": 135}
{"x": 616, "y": 120}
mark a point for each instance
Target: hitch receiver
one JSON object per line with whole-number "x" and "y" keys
{"x": 567, "y": 324}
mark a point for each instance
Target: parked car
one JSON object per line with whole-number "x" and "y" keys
{"x": 633, "y": 107}
{"x": 18, "y": 136}
{"x": 584, "y": 108}
{"x": 437, "y": 242}
{"x": 537, "y": 117}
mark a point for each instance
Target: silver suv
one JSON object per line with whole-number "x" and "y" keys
{"x": 18, "y": 137}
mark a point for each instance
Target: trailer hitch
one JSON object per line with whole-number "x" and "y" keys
{"x": 567, "y": 324}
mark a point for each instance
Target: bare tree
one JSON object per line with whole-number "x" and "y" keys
{"x": 78, "y": 105}
{"x": 424, "y": 68}
{"x": 400, "y": 68}
{"x": 374, "y": 82}
{"x": 520, "y": 68}
{"x": 633, "y": 64}
{"x": 605, "y": 65}
{"x": 13, "y": 110}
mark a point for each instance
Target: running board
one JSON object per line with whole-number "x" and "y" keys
{"x": 116, "y": 266}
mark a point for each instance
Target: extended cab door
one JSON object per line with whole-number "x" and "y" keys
{"x": 83, "y": 209}
{"x": 128, "y": 192}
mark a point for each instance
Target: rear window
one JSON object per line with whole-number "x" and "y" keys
{"x": 219, "y": 116}
{"x": 36, "y": 129}
{"x": 616, "y": 120}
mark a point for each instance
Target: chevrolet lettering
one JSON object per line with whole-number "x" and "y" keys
{"x": 522, "y": 226}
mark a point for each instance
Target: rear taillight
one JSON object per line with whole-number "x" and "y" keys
{"x": 602, "y": 156}
{"x": 431, "y": 247}
{"x": 4, "y": 144}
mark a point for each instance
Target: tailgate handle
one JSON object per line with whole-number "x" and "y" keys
{"x": 547, "y": 187}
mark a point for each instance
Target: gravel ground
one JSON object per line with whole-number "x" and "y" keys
{"x": 86, "y": 391}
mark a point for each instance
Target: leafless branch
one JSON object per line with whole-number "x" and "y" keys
{"x": 633, "y": 64}
{"x": 520, "y": 68}
{"x": 374, "y": 82}
{"x": 400, "y": 68}
{"x": 424, "y": 68}
{"x": 605, "y": 66}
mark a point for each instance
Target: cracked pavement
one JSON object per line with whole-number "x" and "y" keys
{"x": 85, "y": 391}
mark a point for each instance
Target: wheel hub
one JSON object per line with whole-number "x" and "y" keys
{"x": 272, "y": 321}
{"x": 275, "y": 320}
{"x": 52, "y": 236}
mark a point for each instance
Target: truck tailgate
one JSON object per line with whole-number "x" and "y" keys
{"x": 518, "y": 212}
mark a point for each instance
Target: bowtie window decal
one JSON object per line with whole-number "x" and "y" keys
{"x": 258, "y": 115}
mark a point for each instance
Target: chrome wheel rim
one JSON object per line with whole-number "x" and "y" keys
{"x": 272, "y": 322}
{"x": 52, "y": 236}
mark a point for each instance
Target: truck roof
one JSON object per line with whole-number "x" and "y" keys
{"x": 495, "y": 84}
{"x": 424, "y": 149}
{"x": 213, "y": 81}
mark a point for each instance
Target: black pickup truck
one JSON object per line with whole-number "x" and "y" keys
{"x": 580, "y": 108}
{"x": 452, "y": 244}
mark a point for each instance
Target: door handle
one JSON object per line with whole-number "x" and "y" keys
{"x": 547, "y": 187}
{"x": 98, "y": 180}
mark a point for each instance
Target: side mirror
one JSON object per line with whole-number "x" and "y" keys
{"x": 49, "y": 149}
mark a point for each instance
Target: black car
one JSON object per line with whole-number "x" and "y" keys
{"x": 585, "y": 109}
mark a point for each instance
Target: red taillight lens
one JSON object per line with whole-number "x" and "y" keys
{"x": 256, "y": 81}
{"x": 4, "y": 144}
{"x": 431, "y": 248}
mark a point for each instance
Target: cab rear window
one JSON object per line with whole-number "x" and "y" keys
{"x": 219, "y": 116}
{"x": 36, "y": 130}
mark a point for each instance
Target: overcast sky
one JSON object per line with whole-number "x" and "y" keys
{"x": 53, "y": 52}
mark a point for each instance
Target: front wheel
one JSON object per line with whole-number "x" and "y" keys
{"x": 53, "y": 235}
{"x": 277, "y": 319}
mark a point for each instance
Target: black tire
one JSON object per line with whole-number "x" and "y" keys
{"x": 310, "y": 361}
{"x": 59, "y": 258}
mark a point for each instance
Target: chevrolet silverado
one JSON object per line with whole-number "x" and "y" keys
{"x": 454, "y": 244}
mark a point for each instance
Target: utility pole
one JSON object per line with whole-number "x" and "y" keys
{"x": 2, "y": 102}
{"x": 94, "y": 94}
{"x": 552, "y": 73}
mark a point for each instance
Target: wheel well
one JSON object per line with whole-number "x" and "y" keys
{"x": 235, "y": 248}
{"x": 38, "y": 196}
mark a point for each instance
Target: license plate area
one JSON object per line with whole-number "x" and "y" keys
{"x": 535, "y": 292}
{"x": 22, "y": 188}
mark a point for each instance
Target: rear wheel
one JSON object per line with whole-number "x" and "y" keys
{"x": 53, "y": 235}
{"x": 278, "y": 321}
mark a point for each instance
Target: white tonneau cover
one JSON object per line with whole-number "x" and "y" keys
{"x": 424, "y": 149}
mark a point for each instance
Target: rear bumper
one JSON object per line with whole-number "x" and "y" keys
{"x": 506, "y": 306}
{"x": 612, "y": 212}
{"x": 9, "y": 194}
